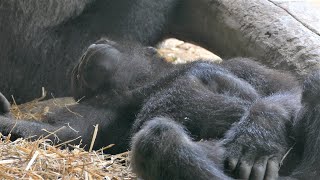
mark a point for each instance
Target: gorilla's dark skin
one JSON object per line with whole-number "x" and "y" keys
{"x": 166, "y": 110}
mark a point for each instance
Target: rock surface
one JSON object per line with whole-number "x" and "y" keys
{"x": 263, "y": 29}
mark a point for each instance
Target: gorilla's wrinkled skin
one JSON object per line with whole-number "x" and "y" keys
{"x": 186, "y": 121}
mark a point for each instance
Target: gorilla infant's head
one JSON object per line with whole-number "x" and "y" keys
{"x": 95, "y": 67}
{"x": 107, "y": 66}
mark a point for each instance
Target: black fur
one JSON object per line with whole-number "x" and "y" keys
{"x": 172, "y": 115}
{"x": 163, "y": 150}
{"x": 307, "y": 129}
{"x": 40, "y": 40}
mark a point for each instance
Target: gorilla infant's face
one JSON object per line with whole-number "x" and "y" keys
{"x": 95, "y": 67}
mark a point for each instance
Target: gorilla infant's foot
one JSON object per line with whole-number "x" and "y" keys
{"x": 163, "y": 150}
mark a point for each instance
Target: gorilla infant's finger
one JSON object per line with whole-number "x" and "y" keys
{"x": 272, "y": 171}
{"x": 231, "y": 164}
{"x": 259, "y": 168}
{"x": 244, "y": 170}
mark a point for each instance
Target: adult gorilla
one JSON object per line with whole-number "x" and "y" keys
{"x": 41, "y": 39}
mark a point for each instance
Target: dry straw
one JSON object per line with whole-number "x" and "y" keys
{"x": 24, "y": 159}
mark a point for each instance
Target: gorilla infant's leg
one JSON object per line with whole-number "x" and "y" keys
{"x": 307, "y": 129}
{"x": 163, "y": 150}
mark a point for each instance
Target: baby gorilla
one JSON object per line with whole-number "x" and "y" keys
{"x": 210, "y": 102}
{"x": 252, "y": 108}
{"x": 173, "y": 113}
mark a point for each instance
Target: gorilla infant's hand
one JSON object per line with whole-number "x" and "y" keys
{"x": 256, "y": 144}
{"x": 244, "y": 159}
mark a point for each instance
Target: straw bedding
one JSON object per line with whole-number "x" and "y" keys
{"x": 24, "y": 159}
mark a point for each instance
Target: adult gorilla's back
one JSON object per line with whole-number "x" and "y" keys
{"x": 39, "y": 40}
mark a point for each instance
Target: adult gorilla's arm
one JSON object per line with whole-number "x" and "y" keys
{"x": 41, "y": 40}
{"x": 40, "y": 14}
{"x": 29, "y": 47}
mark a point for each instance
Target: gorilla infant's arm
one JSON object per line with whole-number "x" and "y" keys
{"x": 264, "y": 133}
{"x": 262, "y": 137}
